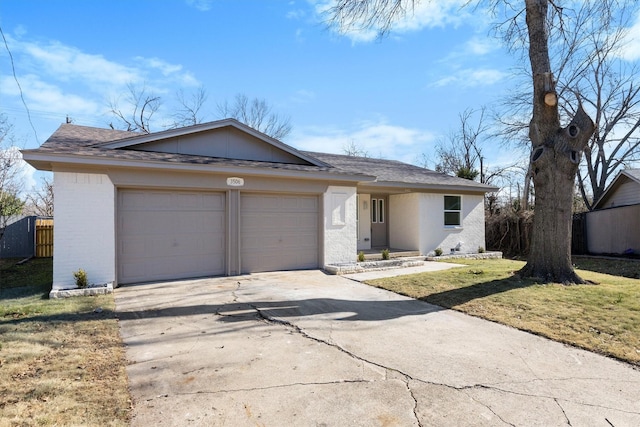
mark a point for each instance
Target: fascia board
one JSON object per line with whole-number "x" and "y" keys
{"x": 439, "y": 187}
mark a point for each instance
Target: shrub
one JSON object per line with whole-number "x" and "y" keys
{"x": 385, "y": 254}
{"x": 480, "y": 250}
{"x": 438, "y": 251}
{"x": 81, "y": 278}
{"x": 360, "y": 256}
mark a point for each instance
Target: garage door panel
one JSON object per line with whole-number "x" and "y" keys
{"x": 278, "y": 232}
{"x": 170, "y": 235}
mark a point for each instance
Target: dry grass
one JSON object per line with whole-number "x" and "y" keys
{"x": 604, "y": 318}
{"x": 61, "y": 363}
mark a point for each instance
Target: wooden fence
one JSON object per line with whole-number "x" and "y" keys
{"x": 44, "y": 238}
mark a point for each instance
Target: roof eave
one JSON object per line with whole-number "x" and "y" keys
{"x": 483, "y": 188}
{"x": 46, "y": 161}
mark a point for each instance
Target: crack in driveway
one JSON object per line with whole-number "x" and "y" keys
{"x": 407, "y": 377}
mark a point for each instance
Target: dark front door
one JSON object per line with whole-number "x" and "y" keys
{"x": 379, "y": 221}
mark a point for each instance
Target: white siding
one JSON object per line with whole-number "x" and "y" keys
{"x": 340, "y": 233}
{"x": 404, "y": 221}
{"x": 627, "y": 194}
{"x": 84, "y": 232}
{"x": 613, "y": 231}
{"x": 433, "y": 233}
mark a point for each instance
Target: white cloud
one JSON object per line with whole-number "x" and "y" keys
{"x": 470, "y": 77}
{"x": 425, "y": 14}
{"x": 201, "y": 5}
{"x": 630, "y": 50}
{"x": 67, "y": 63}
{"x": 377, "y": 138}
{"x": 303, "y": 96}
{"x": 59, "y": 80}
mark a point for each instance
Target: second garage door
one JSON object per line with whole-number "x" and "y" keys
{"x": 278, "y": 232}
{"x": 166, "y": 235}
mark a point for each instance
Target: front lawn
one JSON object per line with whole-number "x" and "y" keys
{"x": 61, "y": 361}
{"x": 604, "y": 318}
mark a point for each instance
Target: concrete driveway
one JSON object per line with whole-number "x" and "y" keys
{"x": 307, "y": 349}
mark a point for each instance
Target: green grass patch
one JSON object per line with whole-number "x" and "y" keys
{"x": 62, "y": 362}
{"x": 35, "y": 275}
{"x": 604, "y": 318}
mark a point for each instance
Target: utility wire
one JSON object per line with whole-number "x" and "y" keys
{"x": 15, "y": 77}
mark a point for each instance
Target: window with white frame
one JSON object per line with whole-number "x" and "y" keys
{"x": 452, "y": 211}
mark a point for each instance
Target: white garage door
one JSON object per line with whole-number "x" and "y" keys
{"x": 166, "y": 235}
{"x": 278, "y": 232}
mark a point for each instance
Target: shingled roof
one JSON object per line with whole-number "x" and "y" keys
{"x": 93, "y": 144}
{"x": 393, "y": 172}
{"x": 89, "y": 143}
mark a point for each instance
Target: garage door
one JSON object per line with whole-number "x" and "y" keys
{"x": 166, "y": 235}
{"x": 278, "y": 232}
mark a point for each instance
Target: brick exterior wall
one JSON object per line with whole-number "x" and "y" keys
{"x": 84, "y": 232}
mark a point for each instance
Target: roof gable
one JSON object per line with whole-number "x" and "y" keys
{"x": 228, "y": 139}
{"x": 623, "y": 190}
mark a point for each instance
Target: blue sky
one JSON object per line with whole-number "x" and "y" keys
{"x": 393, "y": 97}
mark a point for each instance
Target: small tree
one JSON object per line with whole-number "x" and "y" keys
{"x": 40, "y": 201}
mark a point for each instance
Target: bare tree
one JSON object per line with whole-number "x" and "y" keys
{"x": 10, "y": 182}
{"x": 40, "y": 201}
{"x": 354, "y": 150}
{"x": 460, "y": 154}
{"x": 141, "y": 106}
{"x": 608, "y": 86}
{"x": 588, "y": 67}
{"x": 556, "y": 149}
{"x": 257, "y": 114}
{"x": 190, "y": 111}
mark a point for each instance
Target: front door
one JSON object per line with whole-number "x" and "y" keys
{"x": 379, "y": 221}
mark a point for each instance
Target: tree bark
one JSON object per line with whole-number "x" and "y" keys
{"x": 556, "y": 153}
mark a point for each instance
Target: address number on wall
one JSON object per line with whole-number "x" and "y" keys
{"x": 235, "y": 181}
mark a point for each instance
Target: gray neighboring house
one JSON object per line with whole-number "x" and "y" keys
{"x": 613, "y": 226}
{"x": 221, "y": 198}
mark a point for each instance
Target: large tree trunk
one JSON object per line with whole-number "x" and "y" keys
{"x": 556, "y": 154}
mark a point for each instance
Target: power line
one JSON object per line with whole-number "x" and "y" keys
{"x": 15, "y": 77}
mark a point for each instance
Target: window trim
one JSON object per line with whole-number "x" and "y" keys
{"x": 458, "y": 211}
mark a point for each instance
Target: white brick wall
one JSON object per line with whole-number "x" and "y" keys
{"x": 404, "y": 221}
{"x": 84, "y": 231}
{"x": 433, "y": 233}
{"x": 340, "y": 234}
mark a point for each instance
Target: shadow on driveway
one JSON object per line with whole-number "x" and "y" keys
{"x": 348, "y": 309}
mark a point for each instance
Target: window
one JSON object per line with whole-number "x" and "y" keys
{"x": 377, "y": 210}
{"x": 452, "y": 211}
{"x": 374, "y": 210}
